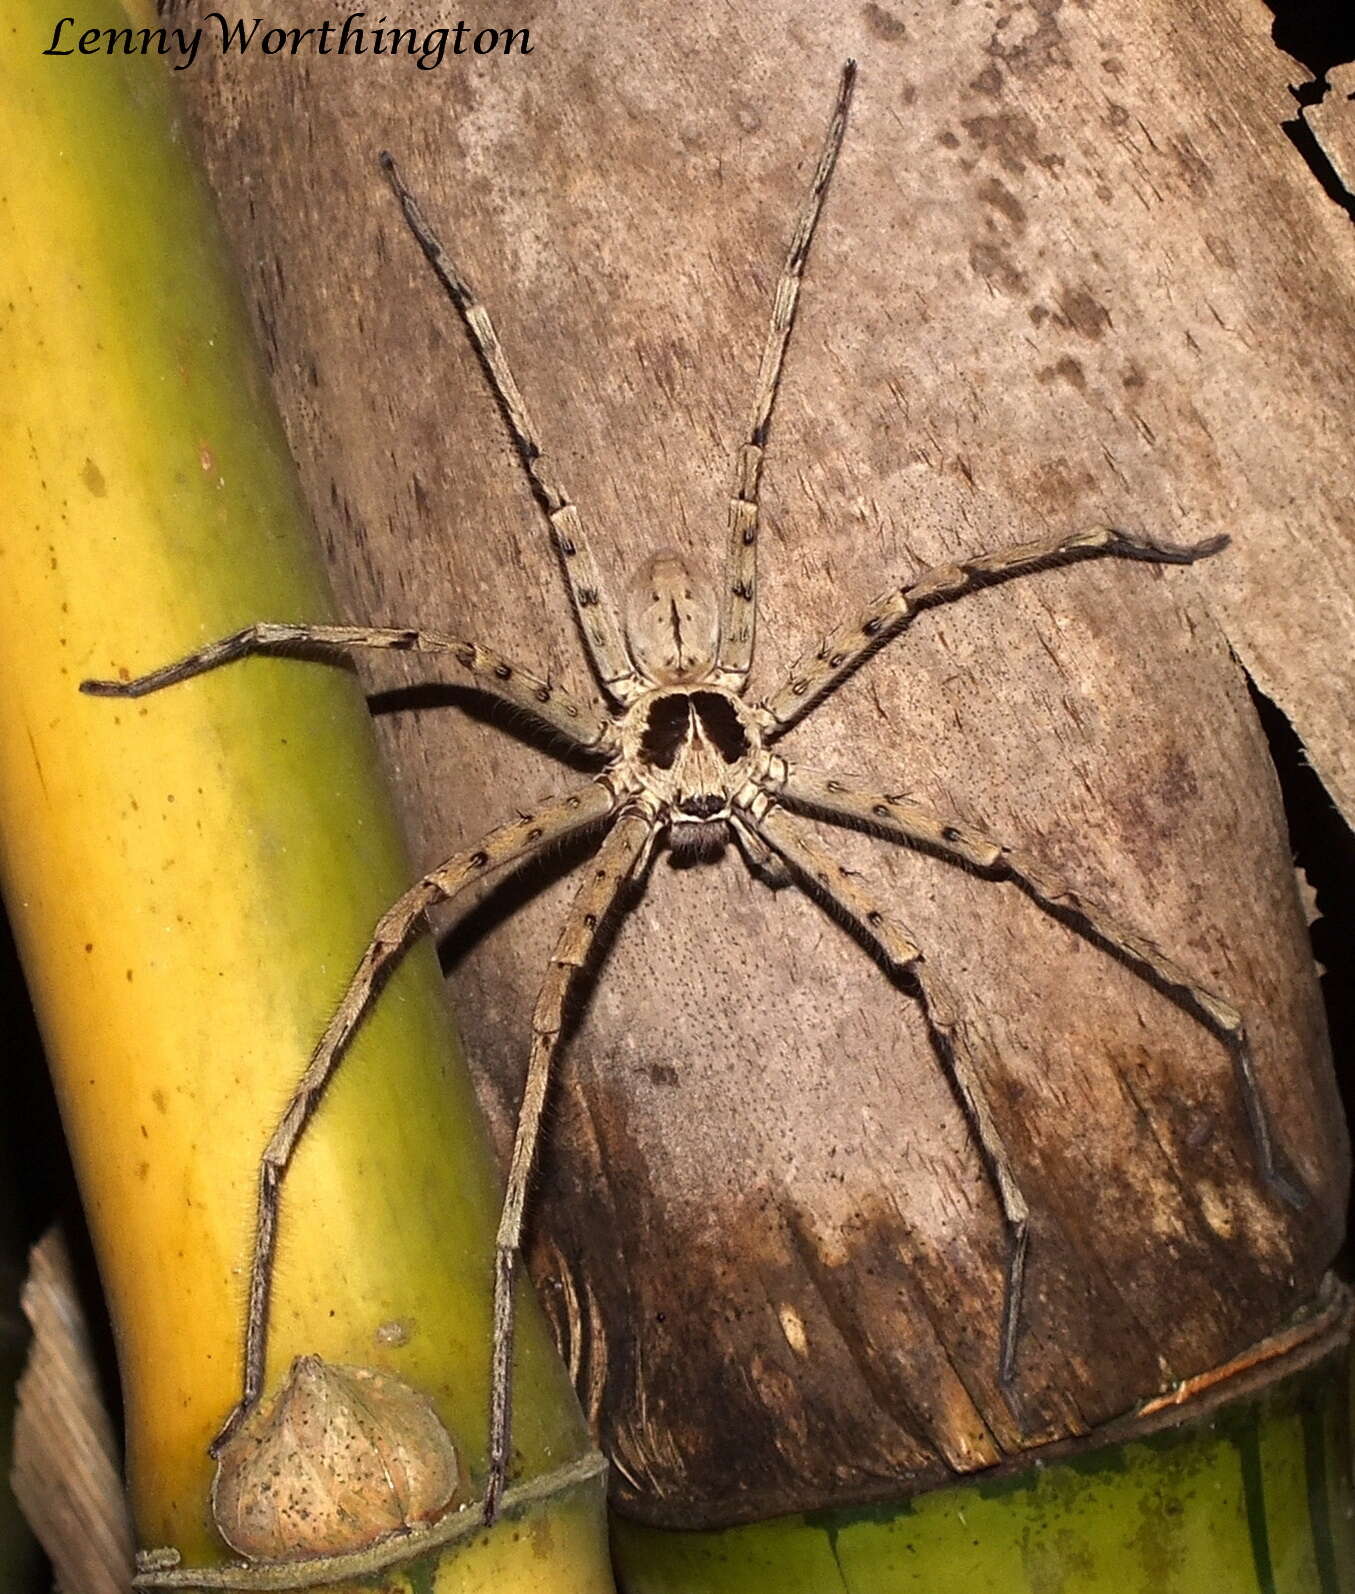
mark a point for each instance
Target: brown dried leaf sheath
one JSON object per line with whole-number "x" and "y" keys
{"x": 763, "y": 1230}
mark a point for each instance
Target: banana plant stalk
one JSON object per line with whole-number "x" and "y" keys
{"x": 193, "y": 877}
{"x": 1249, "y": 1494}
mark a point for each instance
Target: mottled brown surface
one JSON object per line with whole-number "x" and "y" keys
{"x": 1071, "y": 271}
{"x": 1332, "y": 122}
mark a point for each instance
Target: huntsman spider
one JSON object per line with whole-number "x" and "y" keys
{"x": 685, "y": 757}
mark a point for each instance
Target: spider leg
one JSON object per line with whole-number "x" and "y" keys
{"x": 823, "y": 669}
{"x": 738, "y": 601}
{"x": 592, "y": 610}
{"x": 767, "y": 865}
{"x": 393, "y": 934}
{"x": 827, "y": 879}
{"x": 581, "y": 725}
{"x": 902, "y": 820}
{"x": 617, "y": 862}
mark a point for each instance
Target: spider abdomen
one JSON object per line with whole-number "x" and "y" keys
{"x": 671, "y": 622}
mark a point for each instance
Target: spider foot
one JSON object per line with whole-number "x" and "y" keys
{"x": 230, "y": 1427}
{"x": 1012, "y": 1399}
{"x": 1287, "y": 1187}
{"x": 493, "y": 1493}
{"x": 109, "y": 688}
{"x": 1167, "y": 553}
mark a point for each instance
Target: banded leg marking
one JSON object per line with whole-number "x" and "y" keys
{"x": 394, "y": 932}
{"x": 810, "y": 862}
{"x": 905, "y": 821}
{"x": 593, "y": 611}
{"x": 616, "y": 863}
{"x": 824, "y": 668}
{"x": 738, "y": 601}
{"x": 583, "y": 726}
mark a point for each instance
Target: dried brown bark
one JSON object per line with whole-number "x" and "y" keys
{"x": 1071, "y": 272}
{"x": 1332, "y": 122}
{"x": 67, "y": 1475}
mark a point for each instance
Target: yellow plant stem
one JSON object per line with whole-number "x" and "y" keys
{"x": 193, "y": 876}
{"x": 1253, "y": 1496}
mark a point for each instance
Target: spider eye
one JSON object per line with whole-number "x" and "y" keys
{"x": 669, "y": 725}
{"x": 720, "y": 721}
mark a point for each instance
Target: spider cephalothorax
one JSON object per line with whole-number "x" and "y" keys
{"x": 690, "y": 745}
{"x": 685, "y": 756}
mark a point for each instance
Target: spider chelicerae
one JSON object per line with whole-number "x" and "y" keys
{"x": 686, "y": 757}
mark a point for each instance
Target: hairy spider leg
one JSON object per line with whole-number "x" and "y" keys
{"x": 824, "y": 668}
{"x": 738, "y": 600}
{"x": 903, "y": 820}
{"x": 824, "y": 877}
{"x": 619, "y": 860}
{"x": 581, "y": 726}
{"x": 395, "y": 930}
{"x": 593, "y": 611}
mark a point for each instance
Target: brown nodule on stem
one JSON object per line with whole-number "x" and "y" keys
{"x": 160, "y": 1568}
{"x": 341, "y": 1459}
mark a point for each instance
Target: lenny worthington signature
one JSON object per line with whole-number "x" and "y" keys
{"x": 428, "y": 46}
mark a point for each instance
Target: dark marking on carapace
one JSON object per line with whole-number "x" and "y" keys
{"x": 720, "y": 721}
{"x": 669, "y": 725}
